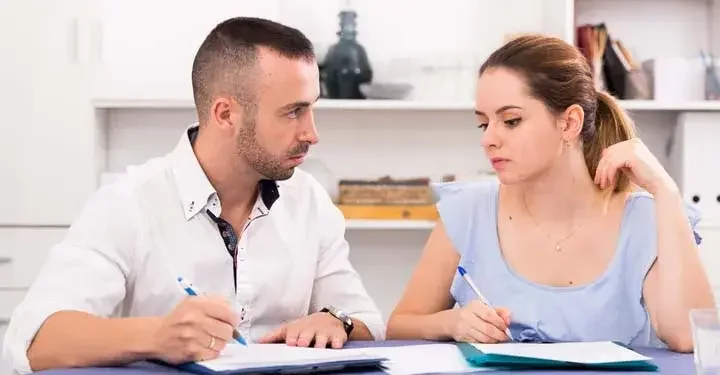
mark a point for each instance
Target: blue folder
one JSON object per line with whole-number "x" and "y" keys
{"x": 355, "y": 363}
{"x": 476, "y": 357}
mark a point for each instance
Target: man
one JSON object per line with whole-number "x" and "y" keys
{"x": 227, "y": 210}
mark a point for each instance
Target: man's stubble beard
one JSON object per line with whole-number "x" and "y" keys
{"x": 261, "y": 161}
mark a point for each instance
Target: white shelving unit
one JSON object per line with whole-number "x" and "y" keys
{"x": 118, "y": 92}
{"x": 408, "y": 105}
{"x": 390, "y": 224}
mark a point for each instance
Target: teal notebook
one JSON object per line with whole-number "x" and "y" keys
{"x": 573, "y": 355}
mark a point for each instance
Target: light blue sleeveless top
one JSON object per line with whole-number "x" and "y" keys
{"x": 609, "y": 309}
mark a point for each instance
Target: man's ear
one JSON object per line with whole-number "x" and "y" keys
{"x": 572, "y": 122}
{"x": 221, "y": 112}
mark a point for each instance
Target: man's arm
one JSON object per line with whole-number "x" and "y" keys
{"x": 63, "y": 321}
{"x": 337, "y": 283}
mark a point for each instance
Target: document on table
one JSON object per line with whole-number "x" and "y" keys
{"x": 260, "y": 356}
{"x": 423, "y": 359}
{"x": 605, "y": 352}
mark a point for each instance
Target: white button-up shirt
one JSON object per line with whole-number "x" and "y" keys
{"x": 135, "y": 237}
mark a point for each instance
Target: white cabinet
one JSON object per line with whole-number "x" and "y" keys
{"x": 710, "y": 254}
{"x": 146, "y": 48}
{"x": 47, "y": 125}
{"x": 23, "y": 252}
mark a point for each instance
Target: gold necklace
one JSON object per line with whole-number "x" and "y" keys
{"x": 547, "y": 234}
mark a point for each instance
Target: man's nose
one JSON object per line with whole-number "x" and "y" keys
{"x": 309, "y": 133}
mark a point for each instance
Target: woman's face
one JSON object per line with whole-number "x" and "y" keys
{"x": 521, "y": 138}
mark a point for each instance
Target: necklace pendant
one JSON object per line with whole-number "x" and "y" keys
{"x": 557, "y": 248}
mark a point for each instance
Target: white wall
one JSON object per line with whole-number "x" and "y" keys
{"x": 139, "y": 53}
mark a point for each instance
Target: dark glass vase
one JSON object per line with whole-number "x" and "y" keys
{"x": 346, "y": 65}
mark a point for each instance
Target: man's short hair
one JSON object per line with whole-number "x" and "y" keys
{"x": 230, "y": 52}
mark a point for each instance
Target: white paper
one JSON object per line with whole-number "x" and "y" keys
{"x": 237, "y": 356}
{"x": 423, "y": 359}
{"x": 578, "y": 352}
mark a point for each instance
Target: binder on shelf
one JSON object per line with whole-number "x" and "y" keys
{"x": 570, "y": 355}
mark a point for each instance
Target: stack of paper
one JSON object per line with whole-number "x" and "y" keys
{"x": 597, "y": 355}
{"x": 258, "y": 358}
{"x": 423, "y": 359}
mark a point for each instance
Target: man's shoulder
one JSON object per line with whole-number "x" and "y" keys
{"x": 128, "y": 185}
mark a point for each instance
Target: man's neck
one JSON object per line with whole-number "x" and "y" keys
{"x": 235, "y": 183}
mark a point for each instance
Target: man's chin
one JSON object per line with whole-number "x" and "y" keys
{"x": 280, "y": 176}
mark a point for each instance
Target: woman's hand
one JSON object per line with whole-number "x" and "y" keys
{"x": 476, "y": 322}
{"x": 633, "y": 158}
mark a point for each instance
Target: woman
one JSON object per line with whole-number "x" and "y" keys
{"x": 561, "y": 242}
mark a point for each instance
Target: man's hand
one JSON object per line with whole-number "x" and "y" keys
{"x": 318, "y": 330}
{"x": 197, "y": 329}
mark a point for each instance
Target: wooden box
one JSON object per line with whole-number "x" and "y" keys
{"x": 385, "y": 191}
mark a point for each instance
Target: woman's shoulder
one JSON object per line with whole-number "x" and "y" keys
{"x": 465, "y": 208}
{"x": 640, "y": 213}
{"x": 464, "y": 191}
{"x": 640, "y": 205}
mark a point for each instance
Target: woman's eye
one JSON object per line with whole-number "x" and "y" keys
{"x": 513, "y": 122}
{"x": 483, "y": 126}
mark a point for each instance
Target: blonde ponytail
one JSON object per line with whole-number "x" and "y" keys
{"x": 612, "y": 125}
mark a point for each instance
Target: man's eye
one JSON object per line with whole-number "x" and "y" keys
{"x": 295, "y": 113}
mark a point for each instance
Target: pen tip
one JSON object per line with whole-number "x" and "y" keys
{"x": 461, "y": 270}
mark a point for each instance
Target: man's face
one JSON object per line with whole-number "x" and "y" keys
{"x": 275, "y": 140}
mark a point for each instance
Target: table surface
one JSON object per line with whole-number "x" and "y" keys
{"x": 668, "y": 363}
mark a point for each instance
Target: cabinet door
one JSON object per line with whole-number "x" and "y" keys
{"x": 147, "y": 47}
{"x": 710, "y": 254}
{"x": 48, "y": 139}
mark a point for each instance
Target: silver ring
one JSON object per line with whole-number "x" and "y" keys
{"x": 212, "y": 343}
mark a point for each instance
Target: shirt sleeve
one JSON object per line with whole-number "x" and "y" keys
{"x": 337, "y": 283}
{"x": 87, "y": 271}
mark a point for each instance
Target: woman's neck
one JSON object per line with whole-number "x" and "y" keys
{"x": 560, "y": 195}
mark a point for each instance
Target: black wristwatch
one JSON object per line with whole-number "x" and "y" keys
{"x": 340, "y": 315}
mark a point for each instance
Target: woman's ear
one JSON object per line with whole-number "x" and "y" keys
{"x": 572, "y": 122}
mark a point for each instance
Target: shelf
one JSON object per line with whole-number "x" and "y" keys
{"x": 338, "y": 104}
{"x": 652, "y": 105}
{"x": 405, "y": 105}
{"x": 389, "y": 224}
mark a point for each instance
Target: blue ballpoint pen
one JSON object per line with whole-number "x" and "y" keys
{"x": 484, "y": 300}
{"x": 192, "y": 291}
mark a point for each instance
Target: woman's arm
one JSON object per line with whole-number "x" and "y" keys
{"x": 427, "y": 298}
{"x": 677, "y": 281}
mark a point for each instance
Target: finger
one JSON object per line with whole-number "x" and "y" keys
{"x": 505, "y": 314}
{"x": 489, "y": 315}
{"x": 291, "y": 335}
{"x": 204, "y": 343}
{"x": 338, "y": 340}
{"x": 598, "y": 169}
{"x": 495, "y": 333}
{"x": 602, "y": 170}
{"x": 205, "y": 355}
{"x": 218, "y": 309}
{"x": 321, "y": 340}
{"x": 218, "y": 329}
{"x": 475, "y": 335}
{"x": 306, "y": 336}
{"x": 275, "y": 336}
{"x": 612, "y": 168}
